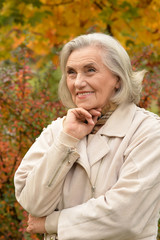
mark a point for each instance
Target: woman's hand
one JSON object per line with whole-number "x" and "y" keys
{"x": 80, "y": 122}
{"x": 36, "y": 224}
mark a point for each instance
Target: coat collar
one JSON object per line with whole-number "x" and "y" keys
{"x": 116, "y": 126}
{"x": 120, "y": 120}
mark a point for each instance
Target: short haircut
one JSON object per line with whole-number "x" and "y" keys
{"x": 114, "y": 57}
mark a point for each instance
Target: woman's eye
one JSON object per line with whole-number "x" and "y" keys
{"x": 70, "y": 71}
{"x": 91, "y": 70}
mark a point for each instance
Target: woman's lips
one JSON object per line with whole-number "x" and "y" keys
{"x": 84, "y": 93}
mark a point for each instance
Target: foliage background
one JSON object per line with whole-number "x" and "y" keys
{"x": 32, "y": 33}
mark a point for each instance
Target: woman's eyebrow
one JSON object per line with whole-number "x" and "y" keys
{"x": 69, "y": 67}
{"x": 92, "y": 64}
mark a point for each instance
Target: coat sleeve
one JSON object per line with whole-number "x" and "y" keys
{"x": 125, "y": 210}
{"x": 40, "y": 176}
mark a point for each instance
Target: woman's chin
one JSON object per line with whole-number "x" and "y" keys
{"x": 87, "y": 106}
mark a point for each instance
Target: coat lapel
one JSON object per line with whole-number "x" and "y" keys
{"x": 116, "y": 126}
{"x": 119, "y": 122}
{"x": 97, "y": 148}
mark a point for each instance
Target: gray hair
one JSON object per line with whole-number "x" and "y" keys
{"x": 115, "y": 59}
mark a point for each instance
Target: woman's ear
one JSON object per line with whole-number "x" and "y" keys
{"x": 118, "y": 83}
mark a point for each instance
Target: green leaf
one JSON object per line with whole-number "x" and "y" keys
{"x": 129, "y": 12}
{"x": 36, "y": 3}
{"x": 37, "y": 17}
{"x": 1, "y": 3}
{"x": 129, "y": 42}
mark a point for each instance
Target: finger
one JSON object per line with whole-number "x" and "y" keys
{"x": 90, "y": 116}
{"x": 29, "y": 220}
{"x": 82, "y": 114}
{"x": 95, "y": 112}
{"x": 97, "y": 109}
{"x": 95, "y": 118}
{"x": 29, "y": 217}
{"x": 29, "y": 229}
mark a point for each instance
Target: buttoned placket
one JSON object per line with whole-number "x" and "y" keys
{"x": 70, "y": 150}
{"x": 97, "y": 164}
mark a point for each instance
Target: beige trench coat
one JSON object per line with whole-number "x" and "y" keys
{"x": 107, "y": 185}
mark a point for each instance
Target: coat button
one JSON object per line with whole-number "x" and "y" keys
{"x": 53, "y": 238}
{"x": 70, "y": 150}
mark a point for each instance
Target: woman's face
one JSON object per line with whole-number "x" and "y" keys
{"x": 89, "y": 81}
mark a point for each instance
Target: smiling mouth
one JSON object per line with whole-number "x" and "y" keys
{"x": 84, "y": 93}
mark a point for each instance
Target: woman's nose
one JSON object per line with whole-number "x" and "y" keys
{"x": 80, "y": 81}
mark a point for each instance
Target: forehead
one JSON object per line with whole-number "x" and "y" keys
{"x": 86, "y": 55}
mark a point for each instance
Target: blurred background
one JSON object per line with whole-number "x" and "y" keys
{"x": 32, "y": 33}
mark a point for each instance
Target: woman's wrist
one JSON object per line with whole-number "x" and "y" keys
{"x": 67, "y": 139}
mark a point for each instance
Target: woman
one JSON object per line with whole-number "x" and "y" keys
{"x": 95, "y": 174}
